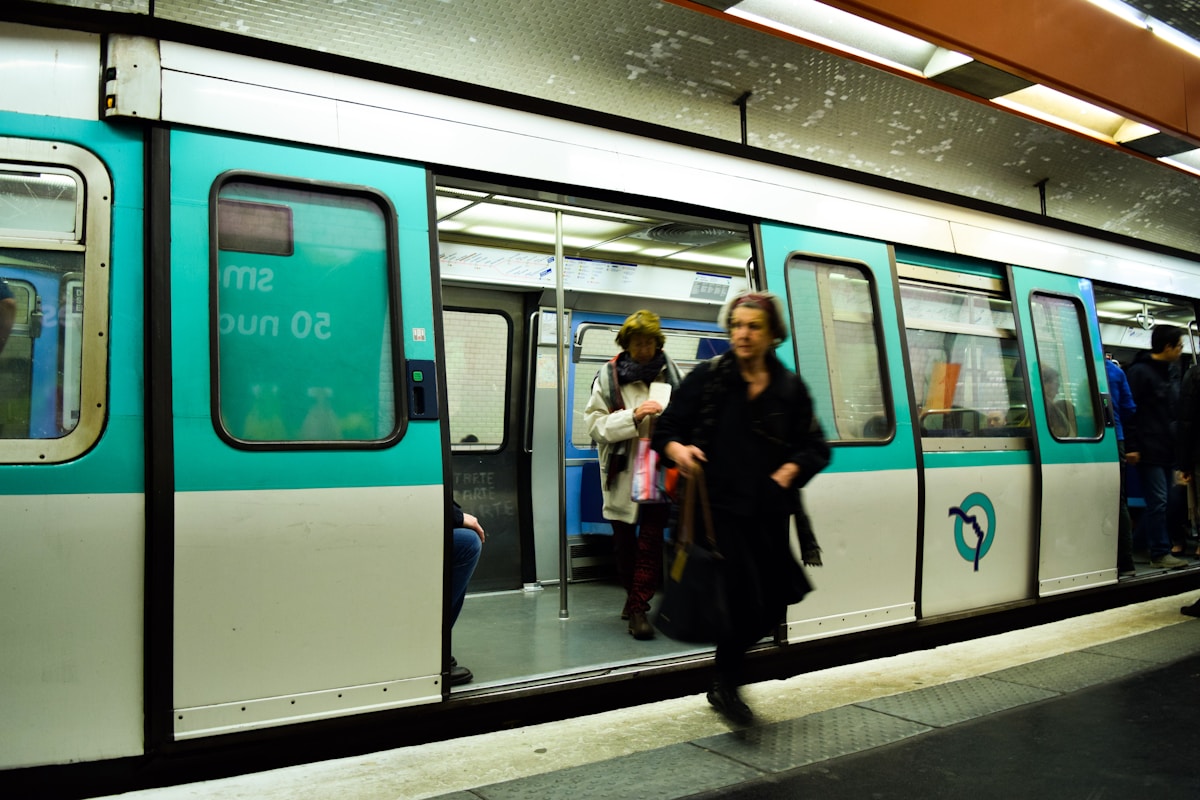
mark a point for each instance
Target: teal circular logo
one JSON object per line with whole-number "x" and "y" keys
{"x": 981, "y": 536}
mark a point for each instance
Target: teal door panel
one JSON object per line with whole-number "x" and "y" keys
{"x": 1076, "y": 454}
{"x": 310, "y": 509}
{"x": 845, "y": 343}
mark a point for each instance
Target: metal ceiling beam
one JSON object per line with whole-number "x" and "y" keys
{"x": 1068, "y": 45}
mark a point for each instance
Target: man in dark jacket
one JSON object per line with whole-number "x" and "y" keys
{"x": 1150, "y": 435}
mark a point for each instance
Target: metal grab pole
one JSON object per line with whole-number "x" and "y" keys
{"x": 564, "y": 561}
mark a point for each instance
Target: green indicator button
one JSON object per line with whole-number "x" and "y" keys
{"x": 418, "y": 375}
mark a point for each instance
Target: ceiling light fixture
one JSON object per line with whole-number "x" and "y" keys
{"x": 1121, "y": 10}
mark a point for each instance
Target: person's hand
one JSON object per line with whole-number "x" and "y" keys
{"x": 472, "y": 522}
{"x": 647, "y": 409}
{"x": 1133, "y": 458}
{"x": 685, "y": 456}
{"x": 811, "y": 557}
{"x": 786, "y": 474}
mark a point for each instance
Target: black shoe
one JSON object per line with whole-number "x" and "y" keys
{"x": 1192, "y": 611}
{"x": 729, "y": 705}
{"x": 459, "y": 675}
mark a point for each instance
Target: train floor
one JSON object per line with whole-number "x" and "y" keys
{"x": 1095, "y": 706}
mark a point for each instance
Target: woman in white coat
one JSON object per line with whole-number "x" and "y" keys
{"x": 618, "y": 413}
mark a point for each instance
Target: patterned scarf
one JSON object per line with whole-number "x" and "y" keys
{"x": 630, "y": 371}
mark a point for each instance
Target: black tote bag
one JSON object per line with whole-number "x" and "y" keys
{"x": 695, "y": 606}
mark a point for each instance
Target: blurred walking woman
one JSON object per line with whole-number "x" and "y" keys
{"x": 750, "y": 420}
{"x": 618, "y": 413}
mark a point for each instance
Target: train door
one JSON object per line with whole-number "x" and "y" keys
{"x": 72, "y": 502}
{"x": 309, "y": 498}
{"x": 865, "y": 507}
{"x": 969, "y": 390}
{"x": 1076, "y": 458}
{"x": 485, "y": 331}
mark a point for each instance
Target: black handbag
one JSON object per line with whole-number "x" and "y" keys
{"x": 695, "y": 604}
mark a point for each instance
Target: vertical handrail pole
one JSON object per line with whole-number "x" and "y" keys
{"x": 560, "y": 315}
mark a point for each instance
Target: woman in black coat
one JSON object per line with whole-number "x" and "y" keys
{"x": 749, "y": 419}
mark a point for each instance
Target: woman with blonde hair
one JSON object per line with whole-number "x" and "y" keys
{"x": 618, "y": 413}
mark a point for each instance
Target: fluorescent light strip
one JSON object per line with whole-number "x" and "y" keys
{"x": 1169, "y": 34}
{"x": 1122, "y": 10}
{"x": 821, "y": 40}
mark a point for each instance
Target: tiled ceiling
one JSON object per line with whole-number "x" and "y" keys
{"x": 1182, "y": 15}
{"x": 661, "y": 63}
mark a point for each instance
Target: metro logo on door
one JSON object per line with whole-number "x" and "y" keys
{"x": 968, "y": 513}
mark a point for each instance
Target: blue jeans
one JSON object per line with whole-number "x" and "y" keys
{"x": 1156, "y": 486}
{"x": 467, "y": 548}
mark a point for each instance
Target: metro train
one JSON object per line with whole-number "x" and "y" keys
{"x": 224, "y": 522}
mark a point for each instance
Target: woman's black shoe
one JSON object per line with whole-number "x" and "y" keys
{"x": 729, "y": 705}
{"x": 459, "y": 675}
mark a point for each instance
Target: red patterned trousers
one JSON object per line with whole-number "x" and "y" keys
{"x": 640, "y": 555}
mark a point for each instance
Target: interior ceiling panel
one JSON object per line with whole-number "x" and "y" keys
{"x": 661, "y": 63}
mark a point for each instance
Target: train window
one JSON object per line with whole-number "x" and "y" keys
{"x": 1068, "y": 387}
{"x": 42, "y": 204}
{"x": 304, "y": 315}
{"x": 837, "y": 348}
{"x": 595, "y": 344}
{"x": 54, "y": 235}
{"x": 477, "y": 358}
{"x": 968, "y": 380}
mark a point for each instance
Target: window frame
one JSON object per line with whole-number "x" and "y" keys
{"x": 94, "y": 240}
{"x": 830, "y": 426}
{"x": 1081, "y": 318}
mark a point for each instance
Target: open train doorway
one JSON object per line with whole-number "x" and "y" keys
{"x": 546, "y": 597}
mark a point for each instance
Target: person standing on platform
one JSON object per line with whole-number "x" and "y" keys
{"x": 622, "y": 409}
{"x": 750, "y": 420}
{"x": 467, "y": 546}
{"x": 1150, "y": 433}
{"x": 1123, "y": 408}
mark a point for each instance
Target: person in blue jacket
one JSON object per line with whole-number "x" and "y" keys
{"x": 1122, "y": 406}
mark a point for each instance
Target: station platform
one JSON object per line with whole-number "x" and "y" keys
{"x": 1102, "y": 705}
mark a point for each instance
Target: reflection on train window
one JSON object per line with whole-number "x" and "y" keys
{"x": 303, "y": 328}
{"x": 596, "y": 343}
{"x": 1068, "y": 388}
{"x": 967, "y": 375}
{"x": 42, "y": 356}
{"x": 477, "y": 368}
{"x": 837, "y": 348}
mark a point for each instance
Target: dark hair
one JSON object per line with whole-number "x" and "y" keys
{"x": 1164, "y": 336}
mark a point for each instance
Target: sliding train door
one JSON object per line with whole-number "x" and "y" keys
{"x": 1076, "y": 455}
{"x": 486, "y": 377}
{"x": 309, "y": 503}
{"x": 864, "y": 507}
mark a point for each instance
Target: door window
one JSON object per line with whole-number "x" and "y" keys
{"x": 304, "y": 314}
{"x": 838, "y": 351}
{"x": 477, "y": 367}
{"x": 1068, "y": 384}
